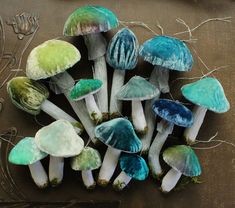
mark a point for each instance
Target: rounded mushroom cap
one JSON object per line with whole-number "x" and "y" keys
{"x": 85, "y": 87}
{"x": 137, "y": 88}
{"x": 122, "y": 52}
{"x": 90, "y": 19}
{"x": 88, "y": 159}
{"x": 183, "y": 159}
{"x": 173, "y": 112}
{"x": 26, "y": 94}
{"x": 59, "y": 139}
{"x": 167, "y": 52}
{"x": 207, "y": 93}
{"x": 50, "y": 58}
{"x": 134, "y": 166}
{"x": 26, "y": 152}
{"x": 119, "y": 134}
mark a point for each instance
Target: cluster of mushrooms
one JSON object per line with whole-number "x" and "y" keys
{"x": 88, "y": 97}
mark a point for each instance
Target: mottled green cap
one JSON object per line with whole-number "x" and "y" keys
{"x": 90, "y": 19}
{"x": 26, "y": 152}
{"x": 207, "y": 93}
{"x": 50, "y": 58}
{"x": 85, "y": 87}
{"x": 137, "y": 88}
{"x": 59, "y": 139}
{"x": 183, "y": 159}
{"x": 88, "y": 159}
{"x": 26, "y": 94}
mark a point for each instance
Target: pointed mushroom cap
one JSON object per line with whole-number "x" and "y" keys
{"x": 119, "y": 134}
{"x": 59, "y": 139}
{"x": 173, "y": 112}
{"x": 26, "y": 152}
{"x": 207, "y": 93}
{"x": 134, "y": 166}
{"x": 167, "y": 52}
{"x": 88, "y": 159}
{"x": 183, "y": 159}
{"x": 50, "y": 58}
{"x": 26, "y": 94}
{"x": 85, "y": 87}
{"x": 137, "y": 88}
{"x": 123, "y": 49}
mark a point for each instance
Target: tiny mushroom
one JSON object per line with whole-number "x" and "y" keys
{"x": 183, "y": 161}
{"x": 25, "y": 152}
{"x": 89, "y": 159}
{"x": 172, "y": 113}
{"x": 206, "y": 94}
{"x": 119, "y": 135}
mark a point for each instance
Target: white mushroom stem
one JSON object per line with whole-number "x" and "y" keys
{"x": 164, "y": 128}
{"x": 88, "y": 179}
{"x": 56, "y": 170}
{"x": 121, "y": 181}
{"x": 92, "y": 108}
{"x": 56, "y": 113}
{"x": 38, "y": 174}
{"x": 190, "y": 134}
{"x": 162, "y": 78}
{"x": 170, "y": 180}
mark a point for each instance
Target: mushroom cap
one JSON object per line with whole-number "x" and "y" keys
{"x": 137, "y": 88}
{"x": 167, "y": 52}
{"x": 59, "y": 139}
{"x": 26, "y": 152}
{"x": 123, "y": 49}
{"x": 88, "y": 159}
{"x": 90, "y": 19}
{"x": 50, "y": 58}
{"x": 183, "y": 159}
{"x": 27, "y": 94}
{"x": 173, "y": 112}
{"x": 85, "y": 87}
{"x": 134, "y": 166}
{"x": 207, "y": 93}
{"x": 119, "y": 134}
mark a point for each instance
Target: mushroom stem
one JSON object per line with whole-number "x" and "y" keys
{"x": 88, "y": 179}
{"x": 108, "y": 166}
{"x": 56, "y": 170}
{"x": 170, "y": 180}
{"x": 38, "y": 174}
{"x": 121, "y": 181}
{"x": 190, "y": 134}
{"x": 162, "y": 78}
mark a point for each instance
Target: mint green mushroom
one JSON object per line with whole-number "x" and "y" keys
{"x": 26, "y": 153}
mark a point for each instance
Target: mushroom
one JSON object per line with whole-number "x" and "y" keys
{"x": 25, "y": 152}
{"x": 90, "y": 22}
{"x": 118, "y": 134}
{"x": 133, "y": 167}
{"x": 136, "y": 90}
{"x": 59, "y": 140}
{"x": 206, "y": 94}
{"x": 85, "y": 89}
{"x": 31, "y": 96}
{"x": 122, "y": 55}
{"x": 183, "y": 161}
{"x": 89, "y": 159}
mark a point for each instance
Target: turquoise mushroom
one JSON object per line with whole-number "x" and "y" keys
{"x": 206, "y": 94}
{"x": 25, "y": 152}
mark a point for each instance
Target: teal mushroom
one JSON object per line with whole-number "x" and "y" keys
{"x": 26, "y": 153}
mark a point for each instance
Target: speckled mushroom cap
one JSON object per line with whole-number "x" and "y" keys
{"x": 173, "y": 112}
{"x": 168, "y": 52}
{"x": 134, "y": 166}
{"x": 50, "y": 58}
{"x": 183, "y": 159}
{"x": 123, "y": 50}
{"x": 90, "y": 19}
{"x": 59, "y": 139}
{"x": 207, "y": 93}
{"x": 137, "y": 88}
{"x": 119, "y": 134}
{"x": 26, "y": 152}
{"x": 26, "y": 94}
